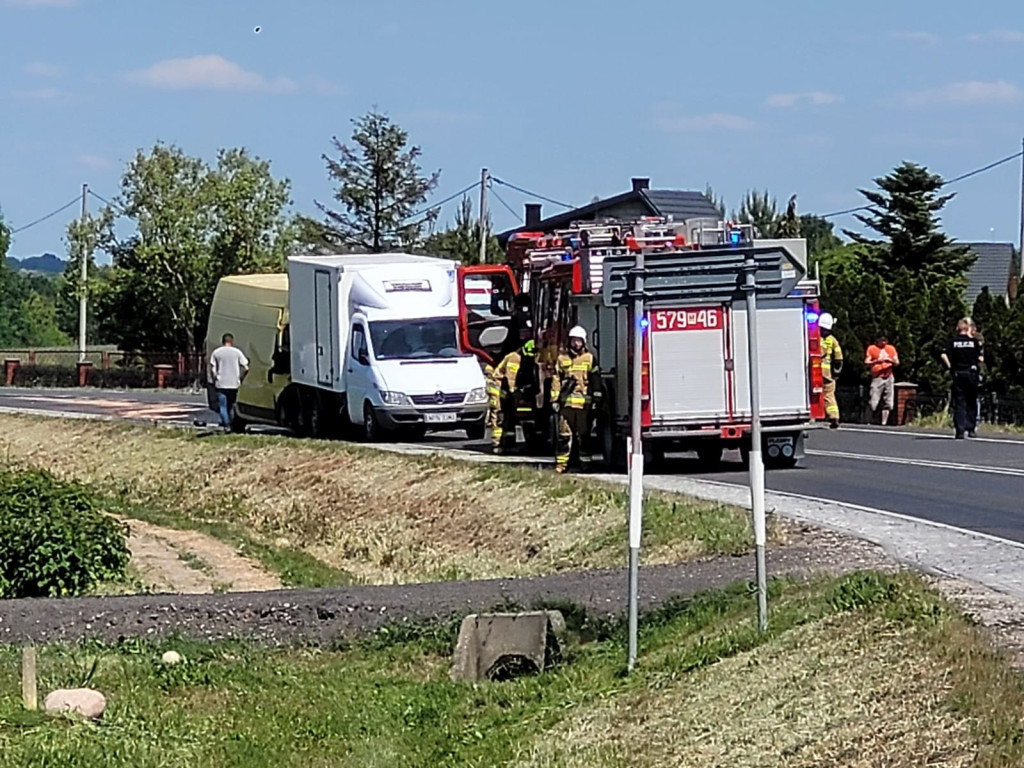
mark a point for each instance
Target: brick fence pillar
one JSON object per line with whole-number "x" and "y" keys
{"x": 906, "y": 403}
{"x": 163, "y": 372}
{"x": 84, "y": 366}
{"x": 11, "y": 366}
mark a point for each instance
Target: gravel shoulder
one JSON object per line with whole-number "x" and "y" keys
{"x": 327, "y": 616}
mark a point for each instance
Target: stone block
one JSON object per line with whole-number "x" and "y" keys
{"x": 86, "y": 702}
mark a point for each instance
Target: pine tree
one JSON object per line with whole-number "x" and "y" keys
{"x": 380, "y": 186}
{"x": 904, "y": 211}
{"x": 759, "y": 209}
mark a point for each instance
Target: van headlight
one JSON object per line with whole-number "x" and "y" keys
{"x": 394, "y": 398}
{"x": 478, "y": 395}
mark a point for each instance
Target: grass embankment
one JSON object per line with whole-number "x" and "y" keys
{"x": 321, "y": 513}
{"x": 866, "y": 670}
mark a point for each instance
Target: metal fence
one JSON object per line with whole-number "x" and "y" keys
{"x": 995, "y": 409}
{"x": 105, "y": 367}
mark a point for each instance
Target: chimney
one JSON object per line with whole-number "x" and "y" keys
{"x": 640, "y": 183}
{"x": 532, "y": 214}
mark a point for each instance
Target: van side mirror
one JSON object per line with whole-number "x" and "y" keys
{"x": 493, "y": 336}
{"x": 364, "y": 357}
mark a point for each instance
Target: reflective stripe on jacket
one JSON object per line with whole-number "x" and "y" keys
{"x": 584, "y": 371}
{"x": 830, "y": 352}
{"x": 507, "y": 369}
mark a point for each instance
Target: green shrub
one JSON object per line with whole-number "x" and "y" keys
{"x": 54, "y": 540}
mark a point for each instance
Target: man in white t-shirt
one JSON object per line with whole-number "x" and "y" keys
{"x": 226, "y": 371}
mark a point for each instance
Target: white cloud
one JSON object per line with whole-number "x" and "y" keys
{"x": 918, "y": 37}
{"x": 42, "y": 3}
{"x": 42, "y": 69}
{"x": 207, "y": 72}
{"x": 42, "y": 94}
{"x": 998, "y": 36}
{"x": 93, "y": 161}
{"x": 967, "y": 93}
{"x": 789, "y": 100}
{"x": 666, "y": 120}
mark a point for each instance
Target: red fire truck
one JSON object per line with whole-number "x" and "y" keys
{"x": 695, "y": 387}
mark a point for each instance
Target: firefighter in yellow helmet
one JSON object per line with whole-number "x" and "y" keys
{"x": 510, "y": 379}
{"x": 575, "y": 387}
{"x": 831, "y": 367}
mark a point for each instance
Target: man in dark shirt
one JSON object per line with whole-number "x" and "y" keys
{"x": 963, "y": 359}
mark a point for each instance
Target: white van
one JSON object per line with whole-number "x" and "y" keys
{"x": 374, "y": 342}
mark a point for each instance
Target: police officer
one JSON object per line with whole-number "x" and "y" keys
{"x": 510, "y": 379}
{"x": 831, "y": 367}
{"x": 575, "y": 387}
{"x": 963, "y": 358}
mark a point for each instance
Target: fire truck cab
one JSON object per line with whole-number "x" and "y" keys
{"x": 695, "y": 394}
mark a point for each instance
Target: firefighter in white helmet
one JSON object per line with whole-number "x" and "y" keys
{"x": 831, "y": 367}
{"x": 575, "y": 389}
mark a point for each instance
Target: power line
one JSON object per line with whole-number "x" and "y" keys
{"x": 988, "y": 167}
{"x": 507, "y": 206}
{"x": 946, "y": 183}
{"x": 102, "y": 199}
{"x": 531, "y": 194}
{"x": 448, "y": 199}
{"x": 50, "y": 215}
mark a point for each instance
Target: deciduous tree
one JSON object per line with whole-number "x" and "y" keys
{"x": 193, "y": 225}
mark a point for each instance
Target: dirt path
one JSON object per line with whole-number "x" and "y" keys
{"x": 187, "y": 562}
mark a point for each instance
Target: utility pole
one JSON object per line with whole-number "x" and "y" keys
{"x": 484, "y": 176}
{"x": 636, "y": 459}
{"x": 83, "y": 278}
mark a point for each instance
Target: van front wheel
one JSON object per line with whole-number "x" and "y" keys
{"x": 372, "y": 431}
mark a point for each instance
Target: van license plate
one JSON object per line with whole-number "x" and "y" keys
{"x": 440, "y": 418}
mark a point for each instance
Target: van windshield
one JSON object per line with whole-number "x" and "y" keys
{"x": 414, "y": 339}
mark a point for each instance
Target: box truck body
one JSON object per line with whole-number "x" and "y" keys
{"x": 374, "y": 340}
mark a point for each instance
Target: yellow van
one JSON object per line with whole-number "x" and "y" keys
{"x": 254, "y": 309}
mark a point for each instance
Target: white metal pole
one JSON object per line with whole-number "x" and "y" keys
{"x": 756, "y": 459}
{"x": 1021, "y": 242}
{"x": 483, "y": 216}
{"x": 636, "y": 464}
{"x": 83, "y": 278}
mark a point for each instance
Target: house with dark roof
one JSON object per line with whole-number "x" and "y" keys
{"x": 992, "y": 268}
{"x": 641, "y": 200}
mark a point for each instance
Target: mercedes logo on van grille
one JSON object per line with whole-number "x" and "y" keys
{"x": 439, "y": 397}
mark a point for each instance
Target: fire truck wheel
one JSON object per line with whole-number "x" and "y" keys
{"x": 710, "y": 454}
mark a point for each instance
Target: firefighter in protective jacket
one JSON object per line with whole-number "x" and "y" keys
{"x": 831, "y": 367}
{"x": 575, "y": 388}
{"x": 511, "y": 381}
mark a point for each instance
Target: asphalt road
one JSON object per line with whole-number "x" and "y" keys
{"x": 973, "y": 484}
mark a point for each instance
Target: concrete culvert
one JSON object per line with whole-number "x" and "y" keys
{"x": 503, "y": 646}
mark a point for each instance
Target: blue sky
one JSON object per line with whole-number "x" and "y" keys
{"x": 564, "y": 99}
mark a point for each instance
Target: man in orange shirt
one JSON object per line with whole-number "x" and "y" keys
{"x": 881, "y": 359}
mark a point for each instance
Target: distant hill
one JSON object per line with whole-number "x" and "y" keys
{"x": 48, "y": 264}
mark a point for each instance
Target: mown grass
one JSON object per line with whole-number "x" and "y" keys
{"x": 328, "y": 513}
{"x": 868, "y": 669}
